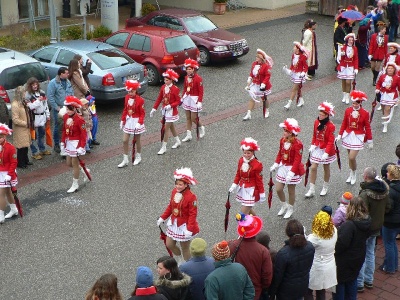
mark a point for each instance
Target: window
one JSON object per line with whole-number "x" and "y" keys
{"x": 45, "y": 55}
{"x": 160, "y": 21}
{"x": 118, "y": 39}
{"x": 139, "y": 42}
{"x": 19, "y": 75}
{"x": 64, "y": 57}
{"x": 174, "y": 24}
{"x": 110, "y": 58}
{"x": 199, "y": 24}
{"x": 179, "y": 43}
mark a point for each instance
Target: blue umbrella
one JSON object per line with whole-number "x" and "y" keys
{"x": 352, "y": 15}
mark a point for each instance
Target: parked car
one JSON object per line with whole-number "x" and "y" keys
{"x": 111, "y": 67}
{"x": 215, "y": 44}
{"x": 15, "y": 70}
{"x": 155, "y": 47}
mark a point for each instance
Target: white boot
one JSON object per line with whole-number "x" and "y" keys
{"x": 289, "y": 212}
{"x": 180, "y": 260}
{"x": 163, "y": 148}
{"x": 13, "y": 211}
{"x": 283, "y": 208}
{"x": 177, "y": 143}
{"x": 247, "y": 116}
{"x": 301, "y": 102}
{"x": 202, "y": 131}
{"x": 124, "y": 162}
{"x": 311, "y": 191}
{"x": 325, "y": 187}
{"x": 347, "y": 98}
{"x": 379, "y": 107}
{"x": 353, "y": 178}
{"x": 138, "y": 159}
{"x": 287, "y": 106}
{"x": 2, "y": 219}
{"x": 384, "y": 128}
{"x": 266, "y": 113}
{"x": 74, "y": 187}
{"x": 350, "y": 176}
{"x": 344, "y": 97}
{"x": 85, "y": 178}
{"x": 188, "y": 136}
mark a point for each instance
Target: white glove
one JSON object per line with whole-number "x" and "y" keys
{"x": 233, "y": 187}
{"x": 152, "y": 112}
{"x": 247, "y": 88}
{"x": 188, "y": 234}
{"x": 262, "y": 197}
{"x": 324, "y": 156}
{"x": 137, "y": 126}
{"x": 286, "y": 70}
{"x": 62, "y": 147}
{"x": 370, "y": 144}
{"x": 262, "y": 87}
{"x": 377, "y": 91}
{"x": 338, "y": 138}
{"x": 80, "y": 151}
{"x": 167, "y": 107}
{"x": 289, "y": 177}
{"x": 302, "y": 74}
{"x": 7, "y": 178}
{"x": 160, "y": 221}
{"x": 355, "y": 71}
{"x": 121, "y": 125}
{"x": 199, "y": 105}
{"x": 249, "y": 80}
{"x": 273, "y": 167}
{"x": 369, "y": 57}
{"x": 312, "y": 148}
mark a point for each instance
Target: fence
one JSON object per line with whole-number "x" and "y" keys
{"x": 60, "y": 27}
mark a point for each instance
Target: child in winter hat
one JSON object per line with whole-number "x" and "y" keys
{"x": 340, "y": 214}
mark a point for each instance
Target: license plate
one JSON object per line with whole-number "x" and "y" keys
{"x": 130, "y": 77}
{"x": 238, "y": 53}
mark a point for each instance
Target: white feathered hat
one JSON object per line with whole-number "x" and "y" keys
{"x": 291, "y": 125}
{"x": 249, "y": 144}
{"x": 186, "y": 175}
{"x": 327, "y": 107}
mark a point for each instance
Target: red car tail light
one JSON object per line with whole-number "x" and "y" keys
{"x": 108, "y": 79}
{"x": 167, "y": 59}
{"x": 4, "y": 95}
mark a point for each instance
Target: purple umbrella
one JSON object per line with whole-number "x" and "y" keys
{"x": 352, "y": 15}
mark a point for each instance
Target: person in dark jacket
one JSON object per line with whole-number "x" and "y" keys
{"x": 350, "y": 249}
{"x": 375, "y": 194}
{"x": 292, "y": 265}
{"x": 106, "y": 287}
{"x": 145, "y": 288}
{"x": 391, "y": 224}
{"x": 384, "y": 173}
{"x": 86, "y": 69}
{"x": 340, "y": 33}
{"x": 198, "y": 267}
{"x": 173, "y": 284}
{"x": 398, "y": 153}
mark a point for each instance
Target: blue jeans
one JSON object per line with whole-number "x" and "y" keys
{"x": 367, "y": 270}
{"x": 56, "y": 127}
{"x": 391, "y": 261}
{"x": 346, "y": 291}
{"x": 40, "y": 132}
{"x": 392, "y": 32}
{"x": 95, "y": 121}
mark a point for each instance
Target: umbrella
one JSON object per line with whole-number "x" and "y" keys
{"x": 163, "y": 237}
{"x": 338, "y": 156}
{"x": 197, "y": 125}
{"x": 264, "y": 101}
{"x": 308, "y": 165}
{"x": 373, "y": 107}
{"x": 163, "y": 126}
{"x": 299, "y": 90}
{"x": 83, "y": 165}
{"x": 270, "y": 184}
{"x": 16, "y": 200}
{"x": 133, "y": 145}
{"x": 227, "y": 207}
{"x": 352, "y": 15}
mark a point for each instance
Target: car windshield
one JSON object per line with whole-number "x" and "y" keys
{"x": 110, "y": 58}
{"x": 199, "y": 24}
{"x": 19, "y": 75}
{"x": 179, "y": 43}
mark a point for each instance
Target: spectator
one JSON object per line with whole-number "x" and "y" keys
{"x": 398, "y": 153}
{"x": 309, "y": 41}
{"x": 95, "y": 120}
{"x": 173, "y": 284}
{"x": 252, "y": 255}
{"x": 4, "y": 113}
{"x": 145, "y": 288}
{"x": 81, "y": 89}
{"x": 88, "y": 121}
{"x": 292, "y": 264}
{"x": 340, "y": 214}
{"x": 340, "y": 33}
{"x": 384, "y": 172}
{"x": 375, "y": 194}
{"x": 22, "y": 124}
{"x": 264, "y": 239}
{"x": 350, "y": 249}
{"x": 323, "y": 270}
{"x": 198, "y": 267}
{"x": 106, "y": 287}
{"x": 393, "y": 21}
{"x": 362, "y": 42}
{"x": 58, "y": 88}
{"x": 86, "y": 70}
{"x": 229, "y": 280}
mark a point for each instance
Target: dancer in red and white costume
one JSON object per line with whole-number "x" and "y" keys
{"x": 378, "y": 47}
{"x": 258, "y": 83}
{"x": 170, "y": 100}
{"x": 288, "y": 165}
{"x": 347, "y": 68}
{"x": 8, "y": 175}
{"x": 73, "y": 139}
{"x": 388, "y": 86}
{"x": 132, "y": 121}
{"x": 182, "y": 224}
{"x": 248, "y": 183}
{"x": 322, "y": 149}
{"x": 354, "y": 131}
{"x": 192, "y": 99}
{"x": 297, "y": 72}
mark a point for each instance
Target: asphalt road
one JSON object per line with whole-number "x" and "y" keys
{"x": 65, "y": 242}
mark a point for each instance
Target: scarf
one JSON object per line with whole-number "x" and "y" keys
{"x": 245, "y": 166}
{"x": 322, "y": 123}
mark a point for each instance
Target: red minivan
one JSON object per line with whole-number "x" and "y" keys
{"x": 157, "y": 48}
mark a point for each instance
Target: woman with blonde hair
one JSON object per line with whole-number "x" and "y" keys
{"x": 75, "y": 76}
{"x": 105, "y": 288}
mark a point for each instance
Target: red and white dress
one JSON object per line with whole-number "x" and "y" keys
{"x": 355, "y": 129}
{"x": 249, "y": 181}
{"x": 193, "y": 93}
{"x": 391, "y": 58}
{"x": 297, "y": 66}
{"x": 348, "y": 62}
{"x": 169, "y": 95}
{"x": 389, "y": 87}
{"x": 289, "y": 160}
{"x": 182, "y": 225}
{"x": 132, "y": 114}
{"x": 260, "y": 73}
{"x": 8, "y": 165}
{"x": 74, "y": 134}
{"x": 378, "y": 46}
{"x": 324, "y": 139}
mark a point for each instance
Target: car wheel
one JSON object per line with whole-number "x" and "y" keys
{"x": 204, "y": 56}
{"x": 152, "y": 75}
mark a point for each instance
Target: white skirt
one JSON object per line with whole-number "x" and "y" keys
{"x": 70, "y": 148}
{"x": 177, "y": 233}
{"x": 282, "y": 173}
{"x": 245, "y": 196}
{"x": 295, "y": 78}
{"x": 130, "y": 126}
{"x": 169, "y": 117}
{"x": 256, "y": 94}
{"x": 190, "y": 103}
{"x": 353, "y": 141}
{"x": 6, "y": 184}
{"x": 388, "y": 99}
{"x": 346, "y": 73}
{"x": 316, "y": 155}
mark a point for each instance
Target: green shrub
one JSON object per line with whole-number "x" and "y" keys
{"x": 147, "y": 8}
{"x": 99, "y": 31}
{"x": 72, "y": 33}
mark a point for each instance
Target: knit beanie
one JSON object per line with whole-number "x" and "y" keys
{"x": 221, "y": 251}
{"x": 144, "y": 277}
{"x": 198, "y": 247}
{"x": 346, "y": 197}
